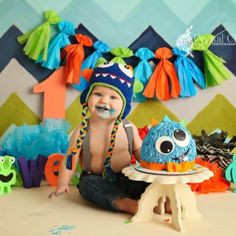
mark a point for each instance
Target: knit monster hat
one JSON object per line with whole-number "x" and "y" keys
{"x": 118, "y": 77}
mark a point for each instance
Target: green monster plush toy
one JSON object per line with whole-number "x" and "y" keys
{"x": 7, "y": 174}
{"x": 230, "y": 173}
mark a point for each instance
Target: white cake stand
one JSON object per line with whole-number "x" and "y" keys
{"x": 168, "y": 184}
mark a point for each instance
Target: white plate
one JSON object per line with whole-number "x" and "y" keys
{"x": 197, "y": 169}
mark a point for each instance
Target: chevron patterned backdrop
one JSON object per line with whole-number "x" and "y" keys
{"x": 121, "y": 22}
{"x": 118, "y": 23}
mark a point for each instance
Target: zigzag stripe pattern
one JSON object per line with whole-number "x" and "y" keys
{"x": 114, "y": 26}
{"x": 123, "y": 17}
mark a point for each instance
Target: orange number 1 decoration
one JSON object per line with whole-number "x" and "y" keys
{"x": 54, "y": 90}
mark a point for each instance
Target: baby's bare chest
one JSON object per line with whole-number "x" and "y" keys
{"x": 120, "y": 155}
{"x": 100, "y": 141}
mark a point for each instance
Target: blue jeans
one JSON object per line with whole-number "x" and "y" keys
{"x": 103, "y": 193}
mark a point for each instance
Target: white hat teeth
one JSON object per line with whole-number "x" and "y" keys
{"x": 129, "y": 84}
{"x": 122, "y": 81}
{"x": 114, "y": 77}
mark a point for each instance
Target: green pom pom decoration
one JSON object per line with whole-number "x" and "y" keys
{"x": 121, "y": 53}
{"x": 100, "y": 61}
{"x": 138, "y": 86}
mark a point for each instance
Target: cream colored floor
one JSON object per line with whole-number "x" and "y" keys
{"x": 28, "y": 212}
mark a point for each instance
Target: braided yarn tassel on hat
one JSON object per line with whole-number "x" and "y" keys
{"x": 121, "y": 53}
{"x": 83, "y": 131}
{"x": 108, "y": 173}
{"x": 37, "y": 40}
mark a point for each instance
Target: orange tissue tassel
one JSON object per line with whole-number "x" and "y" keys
{"x": 74, "y": 55}
{"x": 158, "y": 85}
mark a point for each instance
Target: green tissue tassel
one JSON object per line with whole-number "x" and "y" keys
{"x": 214, "y": 69}
{"x": 37, "y": 40}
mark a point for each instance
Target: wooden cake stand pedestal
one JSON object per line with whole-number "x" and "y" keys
{"x": 167, "y": 184}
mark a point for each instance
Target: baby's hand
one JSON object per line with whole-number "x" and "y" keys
{"x": 60, "y": 190}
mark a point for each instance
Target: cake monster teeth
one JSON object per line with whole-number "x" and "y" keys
{"x": 184, "y": 156}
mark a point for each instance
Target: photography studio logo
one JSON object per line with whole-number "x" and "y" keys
{"x": 224, "y": 38}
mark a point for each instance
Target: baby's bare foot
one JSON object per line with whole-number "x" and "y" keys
{"x": 127, "y": 205}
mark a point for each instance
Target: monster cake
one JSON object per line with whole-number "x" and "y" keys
{"x": 168, "y": 146}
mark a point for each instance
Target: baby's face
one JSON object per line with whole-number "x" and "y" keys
{"x": 105, "y": 102}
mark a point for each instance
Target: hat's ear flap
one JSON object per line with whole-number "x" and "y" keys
{"x": 138, "y": 86}
{"x": 87, "y": 73}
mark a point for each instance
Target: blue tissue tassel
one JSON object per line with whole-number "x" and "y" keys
{"x": 90, "y": 62}
{"x": 188, "y": 72}
{"x": 60, "y": 41}
{"x": 143, "y": 70}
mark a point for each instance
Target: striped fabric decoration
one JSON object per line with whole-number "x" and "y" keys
{"x": 216, "y": 147}
{"x": 221, "y": 156}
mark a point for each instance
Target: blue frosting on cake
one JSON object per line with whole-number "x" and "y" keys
{"x": 169, "y": 141}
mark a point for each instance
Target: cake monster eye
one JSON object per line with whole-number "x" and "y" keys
{"x": 1, "y": 159}
{"x": 126, "y": 69}
{"x": 12, "y": 160}
{"x": 181, "y": 138}
{"x": 165, "y": 145}
{"x": 106, "y": 64}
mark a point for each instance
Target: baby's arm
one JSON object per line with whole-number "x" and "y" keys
{"x": 137, "y": 143}
{"x": 65, "y": 175}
